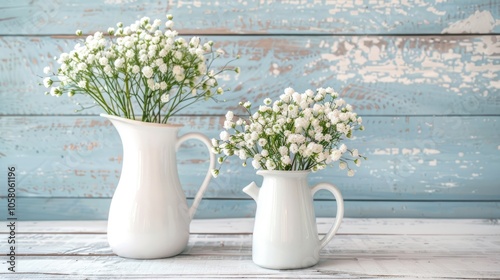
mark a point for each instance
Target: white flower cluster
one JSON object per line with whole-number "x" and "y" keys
{"x": 142, "y": 65}
{"x": 296, "y": 132}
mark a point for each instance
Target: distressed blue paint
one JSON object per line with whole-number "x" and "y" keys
{"x": 241, "y": 17}
{"x": 97, "y": 209}
{"x": 443, "y": 158}
{"x": 379, "y": 75}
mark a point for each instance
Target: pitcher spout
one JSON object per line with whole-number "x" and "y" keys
{"x": 252, "y": 190}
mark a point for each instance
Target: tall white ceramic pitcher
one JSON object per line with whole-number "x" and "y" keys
{"x": 285, "y": 234}
{"x": 149, "y": 217}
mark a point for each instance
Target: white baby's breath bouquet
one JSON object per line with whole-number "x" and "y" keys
{"x": 139, "y": 71}
{"x": 296, "y": 132}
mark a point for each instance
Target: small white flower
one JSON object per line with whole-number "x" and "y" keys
{"x": 355, "y": 153}
{"x": 344, "y": 116}
{"x": 283, "y": 150}
{"x": 254, "y": 135}
{"x": 350, "y": 173}
{"x": 55, "y": 91}
{"x": 215, "y": 142}
{"x": 169, "y": 24}
{"x": 46, "y": 70}
{"x": 247, "y": 104}
{"x": 163, "y": 52}
{"x": 147, "y": 72}
{"x": 108, "y": 70}
{"x": 256, "y": 164}
{"x": 343, "y": 148}
{"x": 243, "y": 154}
{"x": 264, "y": 153}
{"x": 220, "y": 52}
{"x": 318, "y": 136}
{"x": 47, "y": 82}
{"x": 286, "y": 160}
{"x": 224, "y": 135}
{"x": 285, "y": 98}
{"x": 342, "y": 165}
{"x": 151, "y": 84}
{"x": 136, "y": 69}
{"x": 194, "y": 42}
{"x": 210, "y": 82}
{"x": 316, "y": 148}
{"x": 130, "y": 54}
{"x": 263, "y": 108}
{"x": 335, "y": 155}
{"x": 103, "y": 61}
{"x": 82, "y": 84}
{"x": 215, "y": 173}
{"x": 296, "y": 97}
{"x": 163, "y": 68}
{"x": 207, "y": 47}
{"x": 262, "y": 142}
{"x": 81, "y": 66}
{"x": 165, "y": 98}
{"x": 289, "y": 91}
{"x": 270, "y": 165}
{"x": 339, "y": 102}
{"x": 320, "y": 157}
{"x": 177, "y": 70}
{"x": 229, "y": 116}
{"x": 180, "y": 78}
{"x": 119, "y": 62}
{"x": 228, "y": 124}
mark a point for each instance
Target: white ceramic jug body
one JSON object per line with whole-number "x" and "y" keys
{"x": 285, "y": 233}
{"x": 149, "y": 216}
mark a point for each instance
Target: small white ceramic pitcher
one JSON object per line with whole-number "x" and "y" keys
{"x": 285, "y": 233}
{"x": 149, "y": 216}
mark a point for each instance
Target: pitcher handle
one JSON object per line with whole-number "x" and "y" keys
{"x": 340, "y": 210}
{"x": 204, "y": 185}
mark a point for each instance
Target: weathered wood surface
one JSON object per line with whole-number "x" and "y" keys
{"x": 448, "y": 227}
{"x": 257, "y": 17}
{"x": 378, "y": 75}
{"x": 363, "y": 249}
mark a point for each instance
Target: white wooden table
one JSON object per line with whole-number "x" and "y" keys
{"x": 221, "y": 249}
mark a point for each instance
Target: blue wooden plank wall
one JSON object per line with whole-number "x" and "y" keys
{"x": 425, "y": 76}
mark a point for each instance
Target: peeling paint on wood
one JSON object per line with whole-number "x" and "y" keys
{"x": 378, "y": 75}
{"x": 67, "y": 208}
{"x": 409, "y": 158}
